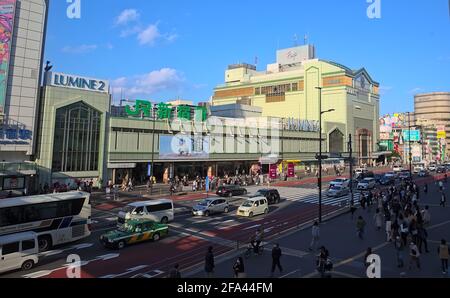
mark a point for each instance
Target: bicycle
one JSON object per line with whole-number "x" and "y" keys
{"x": 251, "y": 251}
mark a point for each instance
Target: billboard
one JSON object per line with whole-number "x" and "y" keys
{"x": 441, "y": 133}
{"x": 7, "y": 10}
{"x": 394, "y": 121}
{"x": 183, "y": 147}
{"x": 385, "y": 136}
{"x": 415, "y": 135}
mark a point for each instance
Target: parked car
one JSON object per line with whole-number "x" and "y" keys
{"x": 418, "y": 168}
{"x": 405, "y": 174}
{"x": 432, "y": 167}
{"x": 231, "y": 190}
{"x": 134, "y": 231}
{"x": 366, "y": 184}
{"x": 397, "y": 169}
{"x": 441, "y": 169}
{"x": 337, "y": 191}
{"x": 253, "y": 206}
{"x": 272, "y": 195}
{"x": 210, "y": 206}
{"x": 340, "y": 182}
{"x": 424, "y": 173}
{"x": 387, "y": 180}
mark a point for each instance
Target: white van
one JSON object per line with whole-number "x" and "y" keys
{"x": 254, "y": 206}
{"x": 18, "y": 251}
{"x": 157, "y": 210}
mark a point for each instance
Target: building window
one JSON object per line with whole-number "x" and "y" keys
{"x": 294, "y": 86}
{"x": 336, "y": 142}
{"x": 77, "y": 139}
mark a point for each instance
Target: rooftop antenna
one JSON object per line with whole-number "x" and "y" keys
{"x": 256, "y": 61}
{"x": 306, "y": 39}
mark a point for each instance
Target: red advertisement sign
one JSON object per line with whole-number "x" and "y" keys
{"x": 291, "y": 170}
{"x": 273, "y": 171}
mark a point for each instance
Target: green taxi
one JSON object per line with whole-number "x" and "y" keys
{"x": 134, "y": 231}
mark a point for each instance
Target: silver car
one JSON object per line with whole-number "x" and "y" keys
{"x": 210, "y": 206}
{"x": 338, "y": 191}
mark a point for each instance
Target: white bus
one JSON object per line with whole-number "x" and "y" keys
{"x": 56, "y": 218}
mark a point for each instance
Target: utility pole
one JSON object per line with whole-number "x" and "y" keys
{"x": 350, "y": 150}
{"x": 409, "y": 145}
{"x": 153, "y": 151}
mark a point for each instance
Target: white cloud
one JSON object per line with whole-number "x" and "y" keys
{"x": 416, "y": 90}
{"x": 171, "y": 37}
{"x": 165, "y": 79}
{"x": 149, "y": 35}
{"x": 127, "y": 16}
{"x": 130, "y": 31}
{"x": 80, "y": 49}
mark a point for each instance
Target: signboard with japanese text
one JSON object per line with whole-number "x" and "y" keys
{"x": 273, "y": 171}
{"x": 413, "y": 134}
{"x": 14, "y": 135}
{"x": 7, "y": 12}
{"x": 163, "y": 111}
{"x": 291, "y": 170}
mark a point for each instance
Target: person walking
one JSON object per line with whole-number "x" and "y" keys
{"x": 175, "y": 272}
{"x": 276, "y": 256}
{"x": 352, "y": 208}
{"x": 422, "y": 236}
{"x": 238, "y": 268}
{"x": 414, "y": 255}
{"x": 444, "y": 252}
{"x": 323, "y": 262}
{"x": 388, "y": 229}
{"x": 378, "y": 217}
{"x": 443, "y": 200}
{"x": 209, "y": 263}
{"x": 426, "y": 216}
{"x": 315, "y": 232}
{"x": 399, "y": 249}
{"x": 368, "y": 253}
{"x": 360, "y": 225}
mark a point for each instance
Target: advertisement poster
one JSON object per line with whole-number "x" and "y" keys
{"x": 273, "y": 171}
{"x": 13, "y": 183}
{"x": 183, "y": 147}
{"x": 291, "y": 170}
{"x": 7, "y": 8}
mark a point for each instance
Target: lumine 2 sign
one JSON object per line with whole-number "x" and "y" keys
{"x": 163, "y": 111}
{"x": 77, "y": 82}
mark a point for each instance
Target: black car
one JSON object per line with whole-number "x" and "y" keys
{"x": 272, "y": 195}
{"x": 231, "y": 190}
{"x": 387, "y": 180}
{"x": 441, "y": 169}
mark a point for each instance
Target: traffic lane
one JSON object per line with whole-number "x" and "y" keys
{"x": 134, "y": 259}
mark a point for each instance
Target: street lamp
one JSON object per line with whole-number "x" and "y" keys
{"x": 320, "y": 150}
{"x": 409, "y": 145}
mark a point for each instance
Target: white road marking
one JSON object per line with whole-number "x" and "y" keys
{"x": 252, "y": 227}
{"x": 38, "y": 274}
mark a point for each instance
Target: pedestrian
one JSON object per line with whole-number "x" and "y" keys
{"x": 360, "y": 225}
{"x": 362, "y": 201}
{"x": 399, "y": 248}
{"x": 444, "y": 252}
{"x": 378, "y": 219}
{"x": 209, "y": 262}
{"x": 238, "y": 268}
{"x": 175, "y": 272}
{"x": 276, "y": 256}
{"x": 425, "y": 189}
{"x": 388, "y": 229}
{"x": 366, "y": 256}
{"x": 323, "y": 262}
{"x": 443, "y": 200}
{"x": 422, "y": 237}
{"x": 352, "y": 208}
{"x": 315, "y": 236}
{"x": 414, "y": 255}
{"x": 426, "y": 216}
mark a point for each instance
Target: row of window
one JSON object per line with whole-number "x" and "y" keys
{"x": 14, "y": 247}
{"x": 36, "y": 212}
{"x": 276, "y": 89}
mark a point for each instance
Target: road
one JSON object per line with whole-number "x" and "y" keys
{"x": 189, "y": 236}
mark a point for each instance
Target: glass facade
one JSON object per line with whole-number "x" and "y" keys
{"x": 76, "y": 142}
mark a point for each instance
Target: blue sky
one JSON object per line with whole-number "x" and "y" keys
{"x": 180, "y": 48}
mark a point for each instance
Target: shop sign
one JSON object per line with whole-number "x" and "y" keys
{"x": 162, "y": 111}
{"x": 291, "y": 170}
{"x": 14, "y": 135}
{"x": 77, "y": 82}
{"x": 273, "y": 171}
{"x": 292, "y": 124}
